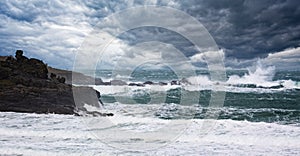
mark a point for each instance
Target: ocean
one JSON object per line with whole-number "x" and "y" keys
{"x": 259, "y": 115}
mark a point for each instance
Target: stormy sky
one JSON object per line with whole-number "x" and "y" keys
{"x": 244, "y": 30}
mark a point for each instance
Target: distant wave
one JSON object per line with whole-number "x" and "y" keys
{"x": 260, "y": 80}
{"x": 262, "y": 77}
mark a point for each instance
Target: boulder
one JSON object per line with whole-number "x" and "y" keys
{"x": 19, "y": 56}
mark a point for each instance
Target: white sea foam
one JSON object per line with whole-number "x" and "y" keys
{"x": 130, "y": 89}
{"x": 122, "y": 77}
{"x": 262, "y": 76}
{"x": 34, "y": 134}
{"x": 202, "y": 80}
{"x": 110, "y": 89}
{"x": 289, "y": 84}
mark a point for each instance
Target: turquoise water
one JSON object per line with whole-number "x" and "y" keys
{"x": 264, "y": 95}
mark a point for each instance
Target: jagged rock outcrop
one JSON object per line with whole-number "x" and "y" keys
{"x": 26, "y": 87}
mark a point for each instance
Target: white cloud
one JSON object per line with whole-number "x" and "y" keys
{"x": 286, "y": 59}
{"x": 200, "y": 57}
{"x": 50, "y": 31}
{"x": 209, "y": 56}
{"x": 287, "y": 54}
{"x": 54, "y": 30}
{"x": 122, "y": 56}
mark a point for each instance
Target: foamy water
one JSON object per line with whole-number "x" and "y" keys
{"x": 32, "y": 134}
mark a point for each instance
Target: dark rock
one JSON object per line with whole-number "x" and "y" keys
{"x": 25, "y": 87}
{"x": 96, "y": 114}
{"x": 9, "y": 58}
{"x": 5, "y": 72}
{"x": 37, "y": 100}
{"x": 61, "y": 79}
{"x": 148, "y": 83}
{"x": 136, "y": 84}
{"x": 106, "y": 83}
{"x": 27, "y": 67}
{"x": 271, "y": 87}
{"x": 85, "y": 96}
{"x": 118, "y": 82}
{"x": 58, "y": 79}
{"x": 99, "y": 81}
{"x": 52, "y": 76}
{"x": 41, "y": 70}
{"x": 162, "y": 83}
{"x": 175, "y": 82}
{"x": 19, "y": 56}
{"x": 109, "y": 114}
{"x": 6, "y": 58}
{"x": 277, "y": 87}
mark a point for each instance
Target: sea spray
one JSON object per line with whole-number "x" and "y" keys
{"x": 262, "y": 76}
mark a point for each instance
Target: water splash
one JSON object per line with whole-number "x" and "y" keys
{"x": 261, "y": 77}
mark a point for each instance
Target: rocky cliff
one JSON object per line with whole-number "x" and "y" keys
{"x": 26, "y": 86}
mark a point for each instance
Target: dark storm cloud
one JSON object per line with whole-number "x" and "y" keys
{"x": 147, "y": 34}
{"x": 248, "y": 28}
{"x": 244, "y": 29}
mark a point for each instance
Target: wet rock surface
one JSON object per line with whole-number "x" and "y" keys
{"x": 26, "y": 86}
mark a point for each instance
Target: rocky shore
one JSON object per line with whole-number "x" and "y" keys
{"x": 82, "y": 79}
{"x": 26, "y": 85}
